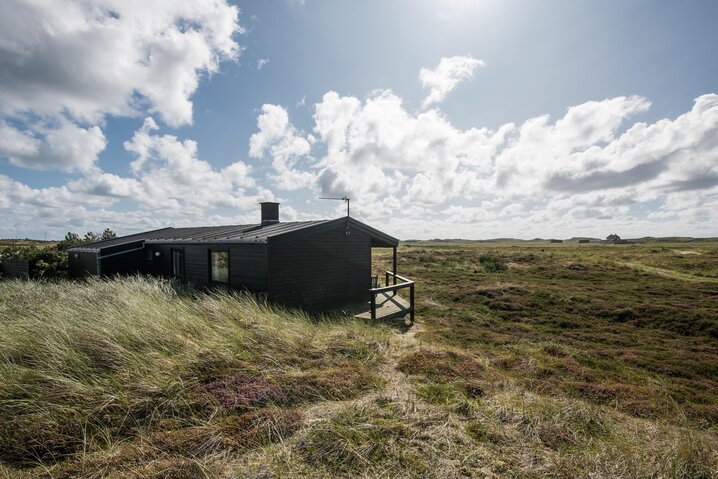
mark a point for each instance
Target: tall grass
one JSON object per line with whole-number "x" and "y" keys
{"x": 87, "y": 366}
{"x": 523, "y": 365}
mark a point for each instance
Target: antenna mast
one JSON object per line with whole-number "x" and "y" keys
{"x": 345, "y": 199}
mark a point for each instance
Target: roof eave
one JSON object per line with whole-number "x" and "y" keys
{"x": 205, "y": 241}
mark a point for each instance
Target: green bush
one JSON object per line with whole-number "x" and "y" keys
{"x": 46, "y": 262}
{"x": 492, "y": 263}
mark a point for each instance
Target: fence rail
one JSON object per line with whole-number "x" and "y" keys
{"x": 407, "y": 283}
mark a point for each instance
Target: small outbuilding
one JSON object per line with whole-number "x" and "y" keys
{"x": 316, "y": 265}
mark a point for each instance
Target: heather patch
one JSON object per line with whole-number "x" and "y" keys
{"x": 241, "y": 391}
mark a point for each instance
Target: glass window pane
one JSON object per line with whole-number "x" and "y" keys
{"x": 178, "y": 262}
{"x": 220, "y": 266}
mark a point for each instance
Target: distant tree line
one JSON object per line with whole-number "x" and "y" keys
{"x": 74, "y": 239}
{"x": 51, "y": 261}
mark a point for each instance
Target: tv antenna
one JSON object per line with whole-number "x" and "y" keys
{"x": 345, "y": 199}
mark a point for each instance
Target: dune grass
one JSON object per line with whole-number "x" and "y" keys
{"x": 538, "y": 361}
{"x": 92, "y": 367}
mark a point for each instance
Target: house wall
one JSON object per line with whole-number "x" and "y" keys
{"x": 316, "y": 269}
{"x": 125, "y": 259}
{"x": 247, "y": 263}
{"x": 320, "y": 271}
{"x": 85, "y": 264}
{"x": 157, "y": 265}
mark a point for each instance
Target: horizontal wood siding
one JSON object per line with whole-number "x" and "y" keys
{"x": 85, "y": 264}
{"x": 319, "y": 272}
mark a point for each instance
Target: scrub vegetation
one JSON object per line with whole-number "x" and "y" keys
{"x": 526, "y": 360}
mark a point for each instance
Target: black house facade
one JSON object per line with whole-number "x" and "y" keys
{"x": 316, "y": 265}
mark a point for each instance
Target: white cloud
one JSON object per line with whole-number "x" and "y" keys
{"x": 15, "y": 143}
{"x": 593, "y": 166}
{"x": 442, "y": 79}
{"x": 170, "y": 185}
{"x": 67, "y": 147}
{"x": 262, "y": 62}
{"x": 284, "y": 145}
{"x": 592, "y": 171}
{"x": 88, "y": 60}
{"x": 67, "y": 65}
{"x": 170, "y": 175}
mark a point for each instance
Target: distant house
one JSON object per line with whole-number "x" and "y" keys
{"x": 555, "y": 241}
{"x": 317, "y": 265}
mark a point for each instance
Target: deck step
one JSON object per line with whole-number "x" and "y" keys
{"x": 387, "y": 307}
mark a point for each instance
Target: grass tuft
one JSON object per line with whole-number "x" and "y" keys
{"x": 84, "y": 365}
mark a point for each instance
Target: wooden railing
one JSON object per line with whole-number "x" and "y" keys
{"x": 407, "y": 283}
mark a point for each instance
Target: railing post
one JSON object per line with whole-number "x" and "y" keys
{"x": 411, "y": 302}
{"x": 387, "y": 278}
{"x": 394, "y": 266}
{"x": 373, "y": 306}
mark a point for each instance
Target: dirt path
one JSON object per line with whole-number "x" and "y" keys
{"x": 396, "y": 387}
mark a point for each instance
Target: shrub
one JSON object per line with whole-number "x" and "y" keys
{"x": 492, "y": 263}
{"x": 46, "y": 262}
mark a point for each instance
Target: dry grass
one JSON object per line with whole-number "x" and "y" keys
{"x": 564, "y": 364}
{"x": 134, "y": 370}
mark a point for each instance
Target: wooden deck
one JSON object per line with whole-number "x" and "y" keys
{"x": 387, "y": 307}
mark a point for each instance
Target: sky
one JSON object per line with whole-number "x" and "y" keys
{"x": 438, "y": 118}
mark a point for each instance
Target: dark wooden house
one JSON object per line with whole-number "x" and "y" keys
{"x": 316, "y": 265}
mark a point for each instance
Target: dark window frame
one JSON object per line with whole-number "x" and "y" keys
{"x": 209, "y": 262}
{"x": 181, "y": 252}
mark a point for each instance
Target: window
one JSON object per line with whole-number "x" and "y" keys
{"x": 219, "y": 266}
{"x": 178, "y": 262}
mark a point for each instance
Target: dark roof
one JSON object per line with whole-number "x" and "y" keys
{"x": 236, "y": 234}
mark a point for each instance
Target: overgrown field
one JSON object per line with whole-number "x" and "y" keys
{"x": 526, "y": 360}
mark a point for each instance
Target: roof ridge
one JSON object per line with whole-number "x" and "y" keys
{"x": 254, "y": 233}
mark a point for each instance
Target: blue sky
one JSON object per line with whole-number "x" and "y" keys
{"x": 460, "y": 118}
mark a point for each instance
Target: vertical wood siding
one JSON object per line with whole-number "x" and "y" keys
{"x": 247, "y": 264}
{"x": 321, "y": 271}
{"x": 124, "y": 264}
{"x": 157, "y": 265}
